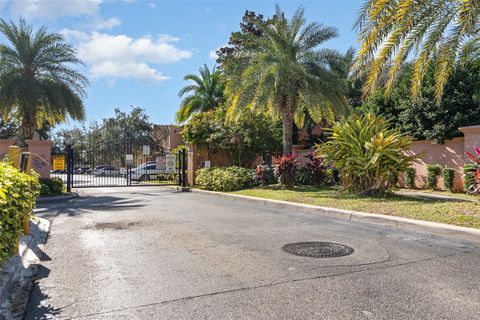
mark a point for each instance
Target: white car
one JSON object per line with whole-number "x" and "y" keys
{"x": 146, "y": 171}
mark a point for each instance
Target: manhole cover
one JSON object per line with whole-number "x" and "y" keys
{"x": 317, "y": 249}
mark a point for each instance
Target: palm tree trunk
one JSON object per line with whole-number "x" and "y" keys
{"x": 27, "y": 127}
{"x": 287, "y": 121}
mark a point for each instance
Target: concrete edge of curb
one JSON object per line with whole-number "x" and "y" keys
{"x": 71, "y": 195}
{"x": 20, "y": 272}
{"x": 435, "y": 228}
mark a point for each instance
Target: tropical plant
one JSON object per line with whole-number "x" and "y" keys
{"x": 367, "y": 150}
{"x": 314, "y": 172}
{"x": 38, "y": 82}
{"x": 265, "y": 175}
{"x": 472, "y": 173}
{"x": 433, "y": 172}
{"x": 224, "y": 179}
{"x": 448, "y": 175}
{"x": 286, "y": 170}
{"x": 206, "y": 93}
{"x": 434, "y": 32}
{"x": 282, "y": 72}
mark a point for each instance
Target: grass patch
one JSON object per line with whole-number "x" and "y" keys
{"x": 460, "y": 213}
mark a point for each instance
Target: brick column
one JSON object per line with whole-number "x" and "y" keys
{"x": 41, "y": 156}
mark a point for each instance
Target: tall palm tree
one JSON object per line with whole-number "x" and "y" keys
{"x": 430, "y": 31}
{"x": 206, "y": 92}
{"x": 283, "y": 73}
{"x": 37, "y": 81}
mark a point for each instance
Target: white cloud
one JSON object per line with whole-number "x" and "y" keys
{"x": 152, "y": 5}
{"x": 101, "y": 24}
{"x": 213, "y": 54}
{"x": 52, "y": 9}
{"x": 120, "y": 56}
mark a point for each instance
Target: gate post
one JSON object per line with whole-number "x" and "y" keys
{"x": 184, "y": 165}
{"x": 69, "y": 156}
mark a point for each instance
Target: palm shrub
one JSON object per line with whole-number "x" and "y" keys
{"x": 205, "y": 92}
{"x": 38, "y": 79}
{"x": 367, "y": 150}
{"x": 433, "y": 172}
{"x": 448, "y": 177}
{"x": 286, "y": 170}
{"x": 410, "y": 174}
{"x": 18, "y": 193}
{"x": 472, "y": 173}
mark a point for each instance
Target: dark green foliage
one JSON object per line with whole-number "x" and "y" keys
{"x": 18, "y": 194}
{"x": 448, "y": 176}
{"x": 469, "y": 175}
{"x": 423, "y": 118}
{"x": 51, "y": 186}
{"x": 224, "y": 179}
{"x": 253, "y": 134}
{"x": 410, "y": 174}
{"x": 433, "y": 172}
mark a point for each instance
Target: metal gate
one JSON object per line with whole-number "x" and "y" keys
{"x": 126, "y": 163}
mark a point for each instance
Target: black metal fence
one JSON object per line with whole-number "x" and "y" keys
{"x": 125, "y": 163}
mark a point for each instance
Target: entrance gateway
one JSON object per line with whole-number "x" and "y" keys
{"x": 133, "y": 162}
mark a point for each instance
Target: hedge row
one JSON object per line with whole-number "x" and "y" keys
{"x": 18, "y": 194}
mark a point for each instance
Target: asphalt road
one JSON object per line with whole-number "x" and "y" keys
{"x": 148, "y": 253}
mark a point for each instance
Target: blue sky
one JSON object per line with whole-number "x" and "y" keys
{"x": 137, "y": 52}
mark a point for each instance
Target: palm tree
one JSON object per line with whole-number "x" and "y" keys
{"x": 433, "y": 32}
{"x": 283, "y": 73}
{"x": 37, "y": 81}
{"x": 206, "y": 93}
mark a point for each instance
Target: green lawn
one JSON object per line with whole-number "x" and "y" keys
{"x": 464, "y": 213}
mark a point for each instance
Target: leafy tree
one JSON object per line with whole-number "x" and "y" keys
{"x": 252, "y": 135}
{"x": 38, "y": 83}
{"x": 206, "y": 93}
{"x": 434, "y": 32}
{"x": 422, "y": 117}
{"x": 282, "y": 73}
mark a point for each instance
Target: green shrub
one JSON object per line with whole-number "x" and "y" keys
{"x": 448, "y": 176}
{"x": 265, "y": 175}
{"x": 45, "y": 190}
{"x": 433, "y": 172}
{"x": 410, "y": 174}
{"x": 367, "y": 150}
{"x": 469, "y": 175}
{"x": 225, "y": 179}
{"x": 16, "y": 200}
{"x": 55, "y": 186}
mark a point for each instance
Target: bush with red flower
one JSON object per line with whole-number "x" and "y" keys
{"x": 286, "y": 170}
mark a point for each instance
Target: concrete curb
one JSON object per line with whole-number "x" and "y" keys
{"x": 61, "y": 198}
{"x": 435, "y": 228}
{"x": 19, "y": 273}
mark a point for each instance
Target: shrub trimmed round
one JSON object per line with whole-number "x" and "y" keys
{"x": 18, "y": 194}
{"x": 225, "y": 178}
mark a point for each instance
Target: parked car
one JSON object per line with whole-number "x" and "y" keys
{"x": 81, "y": 170}
{"x": 146, "y": 171}
{"x": 107, "y": 171}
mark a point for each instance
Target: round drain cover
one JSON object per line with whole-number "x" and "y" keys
{"x": 317, "y": 249}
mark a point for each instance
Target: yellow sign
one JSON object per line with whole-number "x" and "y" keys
{"x": 58, "y": 162}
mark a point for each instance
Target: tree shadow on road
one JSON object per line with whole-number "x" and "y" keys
{"x": 87, "y": 204}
